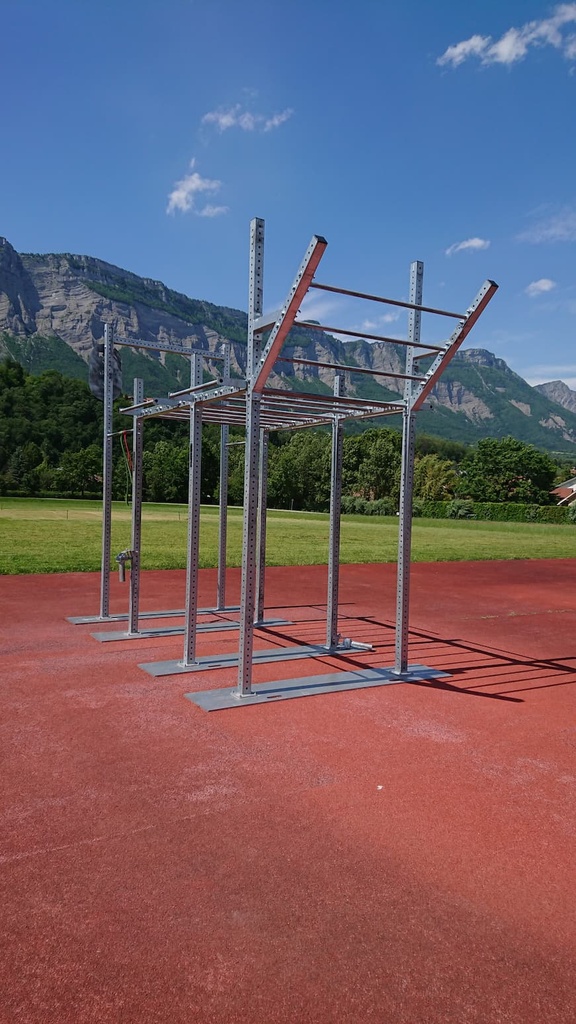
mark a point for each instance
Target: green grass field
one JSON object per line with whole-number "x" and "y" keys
{"x": 44, "y": 535}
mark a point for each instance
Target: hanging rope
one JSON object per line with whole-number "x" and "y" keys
{"x": 128, "y": 462}
{"x": 127, "y": 452}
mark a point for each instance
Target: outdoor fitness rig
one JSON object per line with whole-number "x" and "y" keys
{"x": 131, "y": 557}
{"x": 259, "y": 408}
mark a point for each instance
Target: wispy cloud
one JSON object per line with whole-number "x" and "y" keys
{"x": 540, "y": 287}
{"x": 247, "y": 121}
{"x": 212, "y": 211}
{"x": 378, "y": 322}
{"x": 184, "y": 195}
{"x": 558, "y": 227}
{"x": 516, "y": 42}
{"x": 469, "y": 245}
{"x": 546, "y": 372}
{"x": 316, "y": 307}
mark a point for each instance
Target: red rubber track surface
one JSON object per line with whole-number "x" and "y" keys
{"x": 398, "y": 854}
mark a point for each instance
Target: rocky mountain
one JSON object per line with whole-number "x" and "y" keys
{"x": 559, "y": 392}
{"x": 53, "y": 307}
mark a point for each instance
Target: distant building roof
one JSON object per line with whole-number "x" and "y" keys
{"x": 566, "y": 491}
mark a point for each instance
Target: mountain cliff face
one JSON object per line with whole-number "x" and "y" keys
{"x": 53, "y": 307}
{"x": 559, "y": 392}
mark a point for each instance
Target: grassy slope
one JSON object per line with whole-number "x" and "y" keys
{"x": 61, "y": 536}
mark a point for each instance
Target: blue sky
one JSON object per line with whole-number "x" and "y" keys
{"x": 149, "y": 132}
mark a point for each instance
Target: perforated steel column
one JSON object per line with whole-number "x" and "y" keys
{"x": 136, "y": 534}
{"x": 334, "y": 536}
{"x": 249, "y": 545}
{"x": 255, "y": 294}
{"x": 194, "y": 494}
{"x": 262, "y": 508}
{"x": 251, "y": 462}
{"x": 407, "y": 478}
{"x": 223, "y": 500}
{"x": 107, "y": 473}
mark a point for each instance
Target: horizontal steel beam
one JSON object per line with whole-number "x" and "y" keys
{"x": 165, "y": 346}
{"x": 387, "y": 302}
{"x": 196, "y": 387}
{"x": 368, "y": 337}
{"x": 266, "y": 322}
{"x": 352, "y": 369}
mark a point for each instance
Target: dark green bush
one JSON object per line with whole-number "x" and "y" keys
{"x": 460, "y": 509}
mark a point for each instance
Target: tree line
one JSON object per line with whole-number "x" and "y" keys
{"x": 51, "y": 443}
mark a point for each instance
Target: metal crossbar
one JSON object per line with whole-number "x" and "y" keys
{"x": 367, "y": 337}
{"x": 388, "y": 302}
{"x": 351, "y": 369}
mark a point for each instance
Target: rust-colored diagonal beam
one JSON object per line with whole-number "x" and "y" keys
{"x": 289, "y": 310}
{"x": 486, "y": 293}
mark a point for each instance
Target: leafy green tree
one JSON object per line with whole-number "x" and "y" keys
{"x": 434, "y": 478}
{"x": 166, "y": 472}
{"x": 507, "y": 470}
{"x": 299, "y": 472}
{"x": 81, "y": 471}
{"x": 379, "y": 471}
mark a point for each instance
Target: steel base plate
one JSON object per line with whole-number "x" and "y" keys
{"x": 173, "y": 668}
{"x": 88, "y": 620}
{"x": 311, "y": 686}
{"x": 203, "y": 627}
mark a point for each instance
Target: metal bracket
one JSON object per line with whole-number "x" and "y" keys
{"x": 123, "y": 558}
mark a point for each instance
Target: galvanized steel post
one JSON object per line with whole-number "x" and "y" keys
{"x": 194, "y": 495}
{"x": 136, "y": 532}
{"x": 262, "y": 508}
{"x": 407, "y": 477}
{"x": 251, "y": 462}
{"x": 223, "y": 499}
{"x": 334, "y": 535}
{"x": 107, "y": 473}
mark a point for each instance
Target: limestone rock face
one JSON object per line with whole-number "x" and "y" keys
{"x": 482, "y": 357}
{"x": 51, "y": 295}
{"x": 559, "y": 392}
{"x": 19, "y": 299}
{"x": 455, "y": 396}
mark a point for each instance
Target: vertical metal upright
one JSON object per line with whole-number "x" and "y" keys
{"x": 136, "y": 532}
{"x": 335, "y": 512}
{"x": 407, "y": 477}
{"x": 194, "y": 495}
{"x": 251, "y": 462}
{"x": 107, "y": 473}
{"x": 223, "y": 500}
{"x": 262, "y": 508}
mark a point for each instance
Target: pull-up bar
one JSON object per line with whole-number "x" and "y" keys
{"x": 352, "y": 369}
{"x": 197, "y": 387}
{"x": 388, "y": 302}
{"x": 369, "y": 337}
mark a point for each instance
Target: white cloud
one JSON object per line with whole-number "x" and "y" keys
{"x": 469, "y": 245}
{"x": 515, "y": 43}
{"x": 277, "y": 119}
{"x": 385, "y": 318}
{"x": 235, "y": 117}
{"x": 183, "y": 195}
{"x": 212, "y": 211}
{"x": 544, "y": 373}
{"x": 318, "y": 307}
{"x": 559, "y": 227}
{"x": 544, "y": 284}
{"x": 457, "y": 54}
